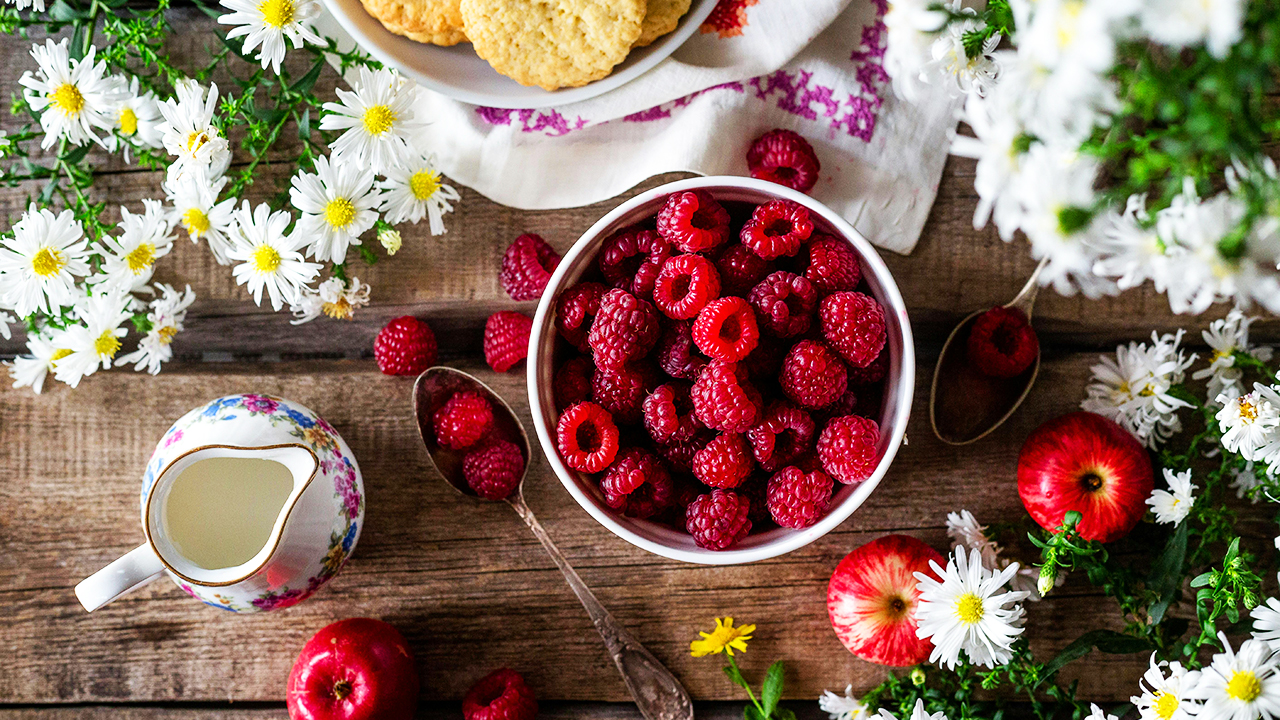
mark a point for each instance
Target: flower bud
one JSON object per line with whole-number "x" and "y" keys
{"x": 390, "y": 239}
{"x": 1048, "y": 576}
{"x": 917, "y": 676}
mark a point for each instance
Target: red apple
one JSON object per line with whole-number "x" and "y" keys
{"x": 872, "y": 600}
{"x": 355, "y": 669}
{"x": 1085, "y": 462}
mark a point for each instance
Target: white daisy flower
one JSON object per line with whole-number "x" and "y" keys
{"x": 273, "y": 24}
{"x": 910, "y": 26}
{"x": 35, "y": 5}
{"x": 1266, "y": 623}
{"x": 965, "y": 611}
{"x": 129, "y": 260}
{"x": 95, "y": 342}
{"x": 1199, "y": 274}
{"x": 949, "y": 61}
{"x": 1165, "y": 697}
{"x": 415, "y": 190}
{"x": 1228, "y": 336}
{"x": 998, "y": 151}
{"x": 1180, "y": 23}
{"x": 167, "y": 313}
{"x": 332, "y": 298}
{"x": 1097, "y": 713}
{"x": 1245, "y": 481}
{"x": 1249, "y": 422}
{"x": 1240, "y": 685}
{"x": 74, "y": 97}
{"x": 1132, "y": 388}
{"x": 917, "y": 713}
{"x": 1173, "y": 505}
{"x": 31, "y": 370}
{"x": 267, "y": 257}
{"x": 337, "y": 203}
{"x": 40, "y": 263}
{"x": 189, "y": 134}
{"x": 843, "y": 707}
{"x": 390, "y": 239}
{"x": 964, "y": 530}
{"x": 377, "y": 114}
{"x": 5, "y": 320}
{"x": 137, "y": 119}
{"x": 197, "y": 210}
{"x": 1128, "y": 248}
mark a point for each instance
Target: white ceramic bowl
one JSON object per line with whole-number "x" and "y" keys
{"x": 462, "y": 75}
{"x": 663, "y": 540}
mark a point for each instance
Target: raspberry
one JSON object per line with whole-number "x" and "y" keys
{"x": 718, "y": 519}
{"x": 625, "y": 329}
{"x": 872, "y": 373}
{"x": 677, "y": 354}
{"x": 723, "y": 398}
{"x": 740, "y": 269}
{"x": 1002, "y": 343}
{"x": 572, "y": 382}
{"x": 632, "y": 258}
{"x": 463, "y": 419}
{"x": 725, "y": 462}
{"x": 527, "y": 266}
{"x": 405, "y": 346}
{"x": 668, "y": 413}
{"x": 833, "y": 265}
{"x": 622, "y": 391}
{"x": 783, "y": 434}
{"x": 506, "y": 339}
{"x": 854, "y": 325}
{"x": 502, "y": 695}
{"x": 494, "y": 470}
{"x": 784, "y": 304}
{"x": 785, "y": 158}
{"x": 847, "y": 448}
{"x": 726, "y": 329}
{"x": 685, "y": 285}
{"x": 576, "y": 309}
{"x": 693, "y": 221}
{"x": 798, "y": 499}
{"x": 777, "y": 228}
{"x": 679, "y": 453}
{"x": 637, "y": 484}
{"x": 812, "y": 376}
{"x": 587, "y": 437}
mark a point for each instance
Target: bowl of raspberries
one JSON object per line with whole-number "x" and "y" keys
{"x": 721, "y": 370}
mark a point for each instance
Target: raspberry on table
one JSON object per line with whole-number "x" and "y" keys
{"x": 632, "y": 258}
{"x": 693, "y": 221}
{"x": 637, "y": 484}
{"x": 494, "y": 470}
{"x": 777, "y": 229}
{"x": 872, "y": 373}
{"x": 797, "y": 499}
{"x": 724, "y": 399}
{"x": 854, "y": 325}
{"x": 462, "y": 420}
{"x": 587, "y": 437}
{"x": 506, "y": 339}
{"x": 622, "y": 391}
{"x": 718, "y": 519}
{"x": 572, "y": 383}
{"x": 785, "y": 158}
{"x": 576, "y": 309}
{"x": 677, "y": 355}
{"x": 501, "y": 695}
{"x": 784, "y": 304}
{"x": 679, "y": 453}
{"x": 1002, "y": 343}
{"x": 833, "y": 265}
{"x": 725, "y": 462}
{"x": 812, "y": 375}
{"x": 847, "y": 448}
{"x": 783, "y": 434}
{"x": 625, "y": 329}
{"x": 527, "y": 266}
{"x": 685, "y": 285}
{"x": 740, "y": 269}
{"x": 668, "y": 413}
{"x": 405, "y": 346}
{"x": 726, "y": 329}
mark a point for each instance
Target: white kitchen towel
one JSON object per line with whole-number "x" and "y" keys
{"x": 812, "y": 66}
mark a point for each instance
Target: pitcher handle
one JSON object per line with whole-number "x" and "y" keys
{"x": 130, "y": 572}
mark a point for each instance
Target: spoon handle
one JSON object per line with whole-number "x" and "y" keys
{"x": 658, "y": 694}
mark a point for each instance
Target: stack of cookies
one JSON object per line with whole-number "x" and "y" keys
{"x": 548, "y": 43}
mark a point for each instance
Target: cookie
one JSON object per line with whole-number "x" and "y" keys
{"x": 553, "y": 43}
{"x": 428, "y": 21}
{"x": 661, "y": 18}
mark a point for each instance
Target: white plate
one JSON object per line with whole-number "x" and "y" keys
{"x": 462, "y": 75}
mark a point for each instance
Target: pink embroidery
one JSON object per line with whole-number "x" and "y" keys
{"x": 795, "y": 95}
{"x": 729, "y": 17}
{"x": 549, "y": 122}
{"x": 662, "y": 112}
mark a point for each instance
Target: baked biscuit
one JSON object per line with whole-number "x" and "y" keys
{"x": 661, "y": 18}
{"x": 428, "y": 21}
{"x": 553, "y": 43}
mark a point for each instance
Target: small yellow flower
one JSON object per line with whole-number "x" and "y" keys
{"x": 724, "y": 639}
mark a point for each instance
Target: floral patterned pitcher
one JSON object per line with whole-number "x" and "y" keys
{"x": 312, "y": 536}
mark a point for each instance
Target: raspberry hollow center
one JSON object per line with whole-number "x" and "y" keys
{"x": 703, "y": 220}
{"x": 778, "y": 228}
{"x": 731, "y": 329}
{"x": 588, "y": 438}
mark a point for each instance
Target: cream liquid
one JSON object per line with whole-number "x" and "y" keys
{"x": 220, "y": 511}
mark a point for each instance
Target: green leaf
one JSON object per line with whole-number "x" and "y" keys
{"x": 1166, "y": 574}
{"x": 784, "y": 714}
{"x": 735, "y": 675}
{"x": 751, "y": 712}
{"x": 771, "y": 691}
{"x": 306, "y": 82}
{"x": 62, "y": 10}
{"x": 1107, "y": 641}
{"x": 49, "y": 189}
{"x": 304, "y": 125}
{"x": 76, "y": 155}
{"x": 367, "y": 255}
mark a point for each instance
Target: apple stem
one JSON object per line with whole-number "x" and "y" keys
{"x": 341, "y": 689}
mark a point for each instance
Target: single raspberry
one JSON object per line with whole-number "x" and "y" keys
{"x": 632, "y": 258}
{"x": 693, "y": 221}
{"x": 572, "y": 382}
{"x": 726, "y": 329}
{"x": 625, "y": 329}
{"x": 527, "y": 266}
{"x": 718, "y": 520}
{"x": 783, "y": 434}
{"x": 679, "y": 453}
{"x": 784, "y": 304}
{"x": 1002, "y": 343}
{"x": 777, "y": 228}
{"x": 725, "y": 462}
{"x": 506, "y": 339}
{"x": 723, "y": 398}
{"x": 740, "y": 269}
{"x": 668, "y": 413}
{"x": 622, "y": 391}
{"x": 798, "y": 499}
{"x": 833, "y": 265}
{"x": 502, "y": 695}
{"x": 576, "y": 309}
{"x": 587, "y": 437}
{"x": 463, "y": 419}
{"x": 854, "y": 325}
{"x": 872, "y": 373}
{"x": 812, "y": 375}
{"x": 494, "y": 469}
{"x": 685, "y": 285}
{"x": 637, "y": 484}
{"x": 847, "y": 448}
{"x": 405, "y": 346}
{"x": 785, "y": 158}
{"x": 677, "y": 355}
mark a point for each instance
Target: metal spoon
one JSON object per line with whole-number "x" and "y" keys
{"x": 966, "y": 405}
{"x": 658, "y": 694}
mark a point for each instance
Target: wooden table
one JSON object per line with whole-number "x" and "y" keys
{"x": 468, "y": 585}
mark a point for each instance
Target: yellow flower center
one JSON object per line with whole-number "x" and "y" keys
{"x": 424, "y": 184}
{"x": 969, "y": 608}
{"x": 1166, "y": 705}
{"x": 1068, "y": 26}
{"x": 58, "y": 355}
{"x": 166, "y": 334}
{"x": 1222, "y": 355}
{"x": 68, "y": 99}
{"x": 340, "y": 310}
{"x": 266, "y": 259}
{"x": 196, "y": 221}
{"x": 1244, "y": 686}
{"x": 378, "y": 119}
{"x": 128, "y": 121}
{"x": 48, "y": 262}
{"x": 141, "y": 258}
{"x": 339, "y": 212}
{"x": 277, "y": 13}
{"x": 1248, "y": 412}
{"x": 107, "y": 344}
{"x": 195, "y": 141}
